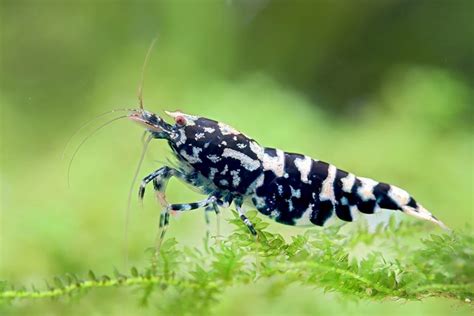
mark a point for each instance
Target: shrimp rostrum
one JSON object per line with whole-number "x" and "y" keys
{"x": 293, "y": 189}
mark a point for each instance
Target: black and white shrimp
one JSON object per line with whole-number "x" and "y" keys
{"x": 293, "y": 189}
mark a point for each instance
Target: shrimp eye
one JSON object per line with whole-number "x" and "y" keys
{"x": 180, "y": 120}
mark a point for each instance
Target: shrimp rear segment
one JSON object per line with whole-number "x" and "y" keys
{"x": 310, "y": 192}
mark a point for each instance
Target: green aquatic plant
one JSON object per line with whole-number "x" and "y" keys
{"x": 389, "y": 263}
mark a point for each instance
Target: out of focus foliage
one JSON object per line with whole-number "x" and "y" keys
{"x": 186, "y": 280}
{"x": 383, "y": 89}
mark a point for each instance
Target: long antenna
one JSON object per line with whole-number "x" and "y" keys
{"x": 129, "y": 201}
{"x": 146, "y": 142}
{"x": 83, "y": 142}
{"x": 89, "y": 122}
{"x": 145, "y": 63}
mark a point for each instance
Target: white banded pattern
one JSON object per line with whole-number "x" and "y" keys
{"x": 246, "y": 162}
{"x": 275, "y": 164}
{"x": 194, "y": 158}
{"x": 304, "y": 167}
{"x": 327, "y": 190}
{"x": 348, "y": 183}
{"x": 399, "y": 196}
{"x": 366, "y": 190}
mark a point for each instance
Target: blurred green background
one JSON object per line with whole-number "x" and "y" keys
{"x": 381, "y": 88}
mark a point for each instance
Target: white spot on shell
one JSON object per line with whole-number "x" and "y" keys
{"x": 257, "y": 149}
{"x": 241, "y": 146}
{"x": 290, "y": 205}
{"x": 304, "y": 220}
{"x": 235, "y": 178}
{"x": 196, "y": 151}
{"x": 327, "y": 189}
{"x": 246, "y": 162}
{"x": 366, "y": 190}
{"x": 226, "y": 168}
{"x": 194, "y": 158}
{"x": 280, "y": 189}
{"x": 214, "y": 158}
{"x": 304, "y": 167}
{"x": 295, "y": 193}
{"x": 198, "y": 136}
{"x": 274, "y": 214}
{"x": 209, "y": 130}
{"x": 399, "y": 196}
{"x": 227, "y": 130}
{"x": 212, "y": 173}
{"x": 275, "y": 164}
{"x": 344, "y": 201}
{"x": 348, "y": 183}
{"x": 182, "y": 137}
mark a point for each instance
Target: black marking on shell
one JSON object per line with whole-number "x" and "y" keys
{"x": 271, "y": 152}
{"x": 324, "y": 210}
{"x": 381, "y": 194}
{"x": 412, "y": 203}
{"x": 366, "y": 207}
{"x": 343, "y": 210}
